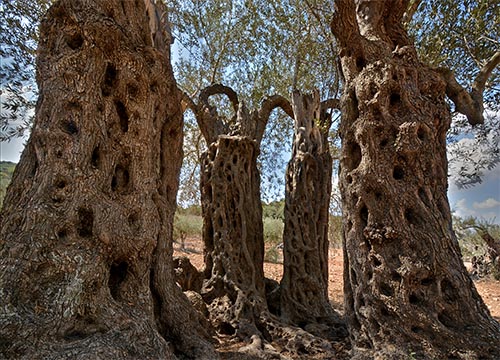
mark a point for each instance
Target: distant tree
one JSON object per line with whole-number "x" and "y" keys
{"x": 405, "y": 286}
{"x": 489, "y": 239}
{"x": 86, "y": 235}
{"x": 19, "y": 20}
{"x": 465, "y": 37}
{"x": 235, "y": 43}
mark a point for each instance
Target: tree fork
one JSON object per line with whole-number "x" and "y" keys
{"x": 404, "y": 280}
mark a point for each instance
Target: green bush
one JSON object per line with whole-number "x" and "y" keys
{"x": 187, "y": 226}
{"x": 272, "y": 255}
{"x": 274, "y": 210}
{"x": 273, "y": 231}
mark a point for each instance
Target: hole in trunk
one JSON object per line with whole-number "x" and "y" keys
{"x": 386, "y": 289}
{"x": 353, "y": 155}
{"x": 411, "y": 216}
{"x": 417, "y": 330}
{"x": 134, "y": 222}
{"x": 395, "y": 99}
{"x": 360, "y": 63}
{"x": 109, "y": 82}
{"x": 363, "y": 216}
{"x": 384, "y": 312}
{"x": 376, "y": 261}
{"x": 95, "y": 158}
{"x": 227, "y": 329}
{"x": 121, "y": 110}
{"x": 62, "y": 234}
{"x": 70, "y": 127}
{"x": 396, "y": 277}
{"x": 121, "y": 179}
{"x": 421, "y": 133}
{"x": 61, "y": 183}
{"x": 74, "y": 41}
{"x": 398, "y": 173}
{"x": 85, "y": 222}
{"x": 414, "y": 299}
{"x": 117, "y": 275}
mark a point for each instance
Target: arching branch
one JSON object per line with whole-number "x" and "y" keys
{"x": 330, "y": 104}
{"x": 268, "y": 105}
{"x": 206, "y": 115}
{"x": 188, "y": 103}
{"x": 219, "y": 89}
{"x": 470, "y": 103}
{"x": 326, "y": 118}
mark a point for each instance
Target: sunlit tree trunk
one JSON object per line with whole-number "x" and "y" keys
{"x": 304, "y": 287}
{"x": 406, "y": 288}
{"x": 85, "y": 263}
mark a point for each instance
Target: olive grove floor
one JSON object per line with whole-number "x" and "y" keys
{"x": 489, "y": 289}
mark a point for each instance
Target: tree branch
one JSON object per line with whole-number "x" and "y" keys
{"x": 410, "y": 11}
{"x": 268, "y": 105}
{"x": 219, "y": 89}
{"x": 325, "y": 117}
{"x": 470, "y": 104}
{"x": 330, "y": 104}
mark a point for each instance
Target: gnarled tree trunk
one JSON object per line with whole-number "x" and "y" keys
{"x": 233, "y": 235}
{"x": 406, "y": 288}
{"x": 85, "y": 267}
{"x": 232, "y": 212}
{"x": 304, "y": 287}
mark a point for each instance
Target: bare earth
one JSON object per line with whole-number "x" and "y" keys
{"x": 489, "y": 289}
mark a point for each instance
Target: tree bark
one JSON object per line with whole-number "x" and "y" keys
{"x": 233, "y": 235}
{"x": 85, "y": 263}
{"x": 304, "y": 287}
{"x": 406, "y": 288}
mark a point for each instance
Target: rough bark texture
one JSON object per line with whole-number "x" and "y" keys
{"x": 234, "y": 285}
{"x": 233, "y": 235}
{"x": 85, "y": 262}
{"x": 406, "y": 288}
{"x": 304, "y": 287}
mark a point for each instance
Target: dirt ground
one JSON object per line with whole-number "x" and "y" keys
{"x": 488, "y": 289}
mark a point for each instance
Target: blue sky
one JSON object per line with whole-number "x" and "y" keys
{"x": 481, "y": 200}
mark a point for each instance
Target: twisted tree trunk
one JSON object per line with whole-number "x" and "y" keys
{"x": 233, "y": 235}
{"x": 85, "y": 265}
{"x": 232, "y": 212}
{"x": 406, "y": 288}
{"x": 304, "y": 287}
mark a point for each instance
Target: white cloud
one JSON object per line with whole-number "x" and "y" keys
{"x": 461, "y": 209}
{"x": 486, "y": 204}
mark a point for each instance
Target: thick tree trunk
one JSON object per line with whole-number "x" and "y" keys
{"x": 406, "y": 288}
{"x": 233, "y": 235}
{"x": 304, "y": 287}
{"x": 85, "y": 265}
